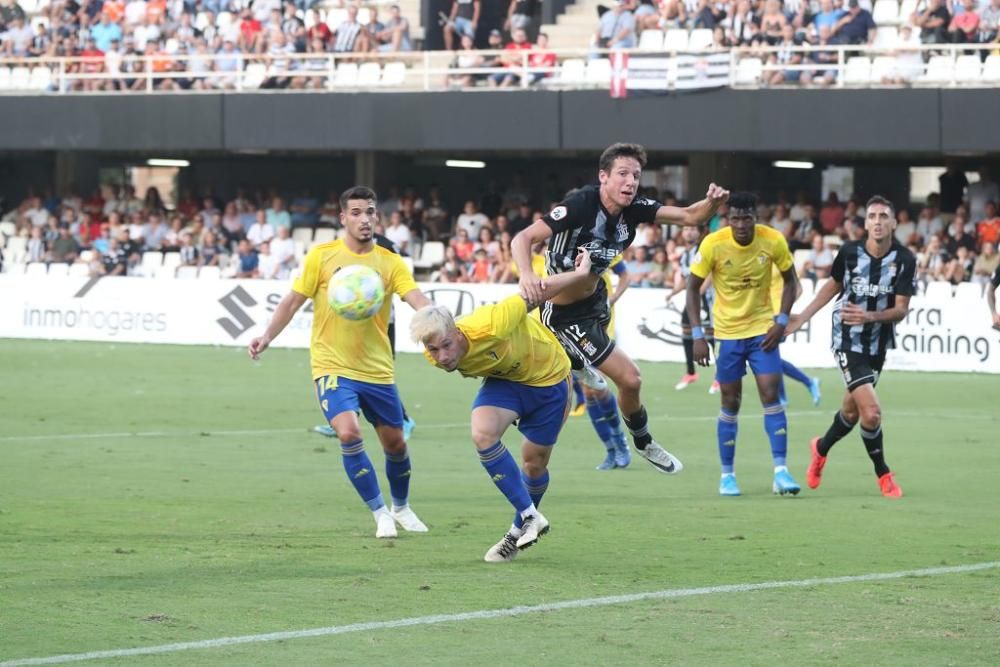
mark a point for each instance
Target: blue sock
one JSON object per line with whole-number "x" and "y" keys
{"x": 578, "y": 392}
{"x": 361, "y": 472}
{"x": 536, "y": 489}
{"x": 397, "y": 471}
{"x": 726, "y": 432}
{"x": 791, "y": 371}
{"x": 600, "y": 424}
{"x": 776, "y": 427}
{"x": 502, "y": 468}
{"x": 609, "y": 406}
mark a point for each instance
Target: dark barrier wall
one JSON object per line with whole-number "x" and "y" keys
{"x": 922, "y": 121}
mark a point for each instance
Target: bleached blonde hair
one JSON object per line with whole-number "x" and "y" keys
{"x": 431, "y": 322}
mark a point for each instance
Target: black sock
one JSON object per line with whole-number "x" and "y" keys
{"x": 636, "y": 423}
{"x": 689, "y": 355}
{"x": 838, "y": 429}
{"x": 873, "y": 443}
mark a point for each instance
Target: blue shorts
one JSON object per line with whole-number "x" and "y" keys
{"x": 463, "y": 26}
{"x": 731, "y": 363}
{"x": 379, "y": 403}
{"x": 540, "y": 410}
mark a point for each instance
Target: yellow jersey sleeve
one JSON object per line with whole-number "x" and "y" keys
{"x": 704, "y": 258}
{"x": 777, "y": 286}
{"x": 307, "y": 284}
{"x": 782, "y": 256}
{"x": 400, "y": 280}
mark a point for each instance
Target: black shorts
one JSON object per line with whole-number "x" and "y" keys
{"x": 859, "y": 369}
{"x": 582, "y": 327}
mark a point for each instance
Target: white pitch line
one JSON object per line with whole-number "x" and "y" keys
{"x": 488, "y": 614}
{"x": 432, "y": 427}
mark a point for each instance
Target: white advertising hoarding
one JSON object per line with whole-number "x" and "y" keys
{"x": 940, "y": 334}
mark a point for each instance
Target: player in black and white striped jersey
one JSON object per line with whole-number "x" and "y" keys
{"x": 875, "y": 279}
{"x": 601, "y": 220}
{"x": 692, "y": 237}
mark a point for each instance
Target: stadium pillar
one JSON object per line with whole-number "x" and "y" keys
{"x": 376, "y": 170}
{"x": 76, "y": 172}
{"x": 728, "y": 170}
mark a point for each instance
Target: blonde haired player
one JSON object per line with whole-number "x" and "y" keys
{"x": 526, "y": 380}
{"x": 352, "y": 365}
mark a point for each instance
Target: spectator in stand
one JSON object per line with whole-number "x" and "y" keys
{"x": 964, "y": 26}
{"x": 933, "y": 22}
{"x": 395, "y": 34}
{"x": 522, "y": 220}
{"x": 114, "y": 261}
{"x": 471, "y": 220}
{"x": 267, "y": 265}
{"x": 639, "y": 267}
{"x": 988, "y": 229}
{"x": 953, "y": 183}
{"x": 153, "y": 232}
{"x": 541, "y": 60}
{"x": 616, "y": 29}
{"x": 248, "y": 261}
{"x": 210, "y": 253}
{"x": 985, "y": 265}
{"x": 283, "y": 250}
{"x": 231, "y": 228}
{"x": 827, "y": 58}
{"x": 398, "y": 233}
{"x": 513, "y": 61}
{"x": 521, "y": 16}
{"x": 660, "y": 272}
{"x": 958, "y": 237}
{"x": 319, "y": 29}
{"x": 436, "y": 215}
{"x": 463, "y": 20}
{"x": 989, "y": 24}
{"x": 277, "y": 216}
{"x": 828, "y": 16}
{"x": 856, "y": 26}
{"x": 453, "y": 268}
{"x": 260, "y": 231}
{"x": 329, "y": 211}
{"x": 350, "y": 35}
{"x": 773, "y": 22}
{"x": 787, "y": 56}
{"x": 188, "y": 251}
{"x": 37, "y": 248}
{"x": 831, "y": 216}
{"x": 18, "y": 38}
{"x": 932, "y": 263}
{"x": 487, "y": 241}
{"x": 672, "y": 14}
{"x": 906, "y": 229}
{"x": 172, "y": 239}
{"x": 105, "y": 31}
{"x": 463, "y": 245}
{"x": 481, "y": 270}
{"x": 63, "y": 249}
{"x": 959, "y": 270}
{"x": 819, "y": 263}
{"x": 739, "y": 27}
{"x": 468, "y": 58}
{"x": 979, "y": 193}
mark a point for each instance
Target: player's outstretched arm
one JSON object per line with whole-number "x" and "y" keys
{"x": 696, "y": 214}
{"x": 283, "y": 314}
{"x": 531, "y": 286}
{"x": 557, "y": 283}
{"x": 417, "y": 299}
{"x": 694, "y": 315}
{"x": 830, "y": 289}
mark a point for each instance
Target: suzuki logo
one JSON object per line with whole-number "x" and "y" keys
{"x": 240, "y": 322}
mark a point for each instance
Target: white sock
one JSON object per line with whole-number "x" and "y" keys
{"x": 380, "y": 512}
{"x": 530, "y": 511}
{"x": 778, "y": 469}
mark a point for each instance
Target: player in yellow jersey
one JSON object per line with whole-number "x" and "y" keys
{"x": 352, "y": 364}
{"x": 739, "y": 259}
{"x": 788, "y": 369}
{"x": 526, "y": 381}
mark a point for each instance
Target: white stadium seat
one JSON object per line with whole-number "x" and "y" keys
{"x": 60, "y": 269}
{"x": 151, "y": 262}
{"x": 431, "y": 256}
{"x": 968, "y": 69}
{"x": 4, "y": 77}
{"x": 700, "y": 39}
{"x": 20, "y": 78}
{"x": 859, "y": 70}
{"x": 749, "y": 70}
{"x": 210, "y": 272}
{"x": 187, "y": 272}
{"x": 346, "y": 76}
{"x": 938, "y": 289}
{"x": 36, "y": 269}
{"x": 885, "y": 12}
{"x": 303, "y": 234}
{"x": 393, "y": 74}
{"x": 79, "y": 270}
{"x": 8, "y": 228}
{"x": 599, "y": 71}
{"x": 675, "y": 40}
{"x": 991, "y": 69}
{"x": 324, "y": 235}
{"x": 369, "y": 74}
{"x": 651, "y": 40}
{"x": 883, "y": 67}
{"x": 940, "y": 69}
{"x": 573, "y": 71}
{"x": 171, "y": 260}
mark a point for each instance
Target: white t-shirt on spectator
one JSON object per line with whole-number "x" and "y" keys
{"x": 135, "y": 12}
{"x": 258, "y": 233}
{"x": 784, "y": 226}
{"x": 135, "y": 231}
{"x": 37, "y": 216}
{"x": 904, "y": 231}
{"x": 281, "y": 250}
{"x": 400, "y": 235}
{"x": 145, "y": 33}
{"x": 472, "y": 223}
{"x": 267, "y": 265}
{"x": 797, "y": 212}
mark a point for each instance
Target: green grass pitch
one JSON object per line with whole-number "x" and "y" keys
{"x": 157, "y": 494}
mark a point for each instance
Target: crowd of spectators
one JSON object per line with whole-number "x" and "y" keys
{"x": 954, "y": 234}
{"x": 216, "y": 38}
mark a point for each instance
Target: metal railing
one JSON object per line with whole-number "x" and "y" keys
{"x": 937, "y": 65}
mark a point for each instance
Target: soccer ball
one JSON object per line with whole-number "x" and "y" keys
{"x": 356, "y": 292}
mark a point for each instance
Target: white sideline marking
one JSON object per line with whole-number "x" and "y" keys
{"x": 432, "y": 427}
{"x": 497, "y": 613}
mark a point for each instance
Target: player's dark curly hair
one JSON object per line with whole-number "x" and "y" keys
{"x": 357, "y": 192}
{"x": 743, "y": 201}
{"x": 615, "y": 151}
{"x": 879, "y": 199}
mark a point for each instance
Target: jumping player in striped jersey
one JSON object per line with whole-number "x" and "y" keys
{"x": 874, "y": 279}
{"x": 602, "y": 220}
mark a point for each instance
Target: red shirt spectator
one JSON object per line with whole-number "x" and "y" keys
{"x": 988, "y": 230}
{"x": 93, "y": 61}
{"x": 831, "y": 216}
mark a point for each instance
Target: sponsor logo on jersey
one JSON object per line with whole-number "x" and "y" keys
{"x": 861, "y": 287}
